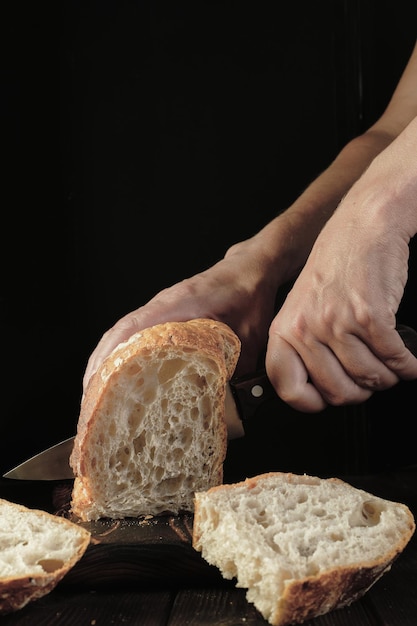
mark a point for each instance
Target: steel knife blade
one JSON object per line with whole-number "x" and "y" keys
{"x": 50, "y": 464}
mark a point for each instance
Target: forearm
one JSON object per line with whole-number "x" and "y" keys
{"x": 388, "y": 189}
{"x": 288, "y": 239}
{"x": 285, "y": 243}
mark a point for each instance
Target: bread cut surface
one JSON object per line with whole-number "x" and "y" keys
{"x": 37, "y": 549}
{"x": 301, "y": 545}
{"x": 151, "y": 429}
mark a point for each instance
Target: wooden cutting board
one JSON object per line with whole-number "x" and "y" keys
{"x": 139, "y": 552}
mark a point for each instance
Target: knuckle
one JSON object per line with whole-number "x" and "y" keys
{"x": 354, "y": 394}
{"x": 370, "y": 381}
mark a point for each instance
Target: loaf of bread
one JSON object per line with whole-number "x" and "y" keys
{"x": 301, "y": 545}
{"x": 37, "y": 549}
{"x": 151, "y": 429}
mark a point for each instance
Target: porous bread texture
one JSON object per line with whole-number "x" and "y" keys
{"x": 37, "y": 549}
{"x": 151, "y": 429}
{"x": 301, "y": 545}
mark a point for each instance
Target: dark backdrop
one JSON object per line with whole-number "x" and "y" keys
{"x": 144, "y": 138}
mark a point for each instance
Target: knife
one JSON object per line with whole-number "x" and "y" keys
{"x": 244, "y": 396}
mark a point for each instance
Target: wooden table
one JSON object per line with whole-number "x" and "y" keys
{"x": 161, "y": 581}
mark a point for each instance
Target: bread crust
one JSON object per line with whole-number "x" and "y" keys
{"x": 17, "y": 591}
{"x": 206, "y": 338}
{"x": 335, "y": 589}
{"x": 328, "y": 590}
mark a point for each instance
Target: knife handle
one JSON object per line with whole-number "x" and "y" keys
{"x": 253, "y": 390}
{"x": 250, "y": 392}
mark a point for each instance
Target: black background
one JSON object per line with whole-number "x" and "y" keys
{"x": 141, "y": 139}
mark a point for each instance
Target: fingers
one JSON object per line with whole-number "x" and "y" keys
{"x": 310, "y": 374}
{"x": 309, "y": 382}
{"x": 289, "y": 376}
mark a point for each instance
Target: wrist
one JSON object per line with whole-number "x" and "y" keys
{"x": 391, "y": 181}
{"x": 385, "y": 198}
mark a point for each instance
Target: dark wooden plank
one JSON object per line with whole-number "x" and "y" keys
{"x": 80, "y": 608}
{"x": 225, "y": 607}
{"x": 158, "y": 553}
{"x": 161, "y": 566}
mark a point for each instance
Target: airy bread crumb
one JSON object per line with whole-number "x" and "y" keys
{"x": 37, "y": 549}
{"x": 152, "y": 428}
{"x": 301, "y": 545}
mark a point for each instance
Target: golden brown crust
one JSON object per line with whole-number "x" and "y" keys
{"x": 15, "y": 594}
{"x": 335, "y": 589}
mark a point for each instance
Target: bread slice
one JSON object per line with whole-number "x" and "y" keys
{"x": 151, "y": 429}
{"x": 301, "y": 545}
{"x": 37, "y": 549}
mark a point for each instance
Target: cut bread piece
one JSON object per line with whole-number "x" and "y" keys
{"x": 301, "y": 545}
{"x": 37, "y": 549}
{"x": 151, "y": 429}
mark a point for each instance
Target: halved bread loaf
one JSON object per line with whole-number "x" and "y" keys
{"x": 152, "y": 429}
{"x": 301, "y": 546}
{"x": 37, "y": 549}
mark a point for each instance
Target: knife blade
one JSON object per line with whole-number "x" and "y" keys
{"x": 244, "y": 396}
{"x": 50, "y": 464}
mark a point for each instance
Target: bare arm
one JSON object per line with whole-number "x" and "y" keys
{"x": 241, "y": 288}
{"x": 304, "y": 219}
{"x": 334, "y": 340}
